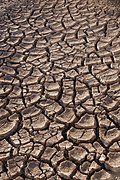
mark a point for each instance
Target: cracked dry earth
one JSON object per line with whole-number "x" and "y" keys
{"x": 59, "y": 91}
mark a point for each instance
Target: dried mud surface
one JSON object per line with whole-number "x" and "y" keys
{"x": 59, "y": 90}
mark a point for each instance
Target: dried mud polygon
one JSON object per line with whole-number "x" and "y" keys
{"x": 59, "y": 90}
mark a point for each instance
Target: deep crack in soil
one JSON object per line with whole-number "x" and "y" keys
{"x": 59, "y": 90}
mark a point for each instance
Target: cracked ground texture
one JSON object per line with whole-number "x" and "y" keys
{"x": 59, "y": 91}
